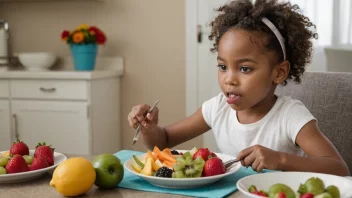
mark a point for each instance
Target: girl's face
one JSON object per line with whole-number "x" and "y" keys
{"x": 246, "y": 75}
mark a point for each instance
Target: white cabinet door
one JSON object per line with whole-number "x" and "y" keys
{"x": 64, "y": 125}
{"x": 5, "y": 131}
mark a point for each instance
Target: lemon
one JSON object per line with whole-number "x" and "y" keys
{"x": 73, "y": 177}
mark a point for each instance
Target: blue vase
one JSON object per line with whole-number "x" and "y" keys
{"x": 84, "y": 56}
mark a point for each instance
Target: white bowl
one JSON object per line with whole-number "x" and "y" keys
{"x": 37, "y": 60}
{"x": 183, "y": 183}
{"x": 293, "y": 180}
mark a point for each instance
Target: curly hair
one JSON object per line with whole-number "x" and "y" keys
{"x": 293, "y": 26}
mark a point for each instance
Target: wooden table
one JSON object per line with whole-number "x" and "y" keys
{"x": 40, "y": 188}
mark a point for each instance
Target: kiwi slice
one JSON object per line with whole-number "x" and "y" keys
{"x": 186, "y": 167}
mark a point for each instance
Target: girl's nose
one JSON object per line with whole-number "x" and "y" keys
{"x": 231, "y": 78}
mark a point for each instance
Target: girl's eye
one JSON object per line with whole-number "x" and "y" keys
{"x": 245, "y": 69}
{"x": 222, "y": 67}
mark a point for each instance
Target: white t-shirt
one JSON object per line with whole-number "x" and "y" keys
{"x": 277, "y": 130}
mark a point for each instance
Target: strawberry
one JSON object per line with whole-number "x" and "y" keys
{"x": 280, "y": 195}
{"x": 19, "y": 148}
{"x": 202, "y": 152}
{"x": 44, "y": 151}
{"x": 213, "y": 166}
{"x": 38, "y": 163}
{"x": 262, "y": 193}
{"x": 17, "y": 164}
{"x": 307, "y": 195}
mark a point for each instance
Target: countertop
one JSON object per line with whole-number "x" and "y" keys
{"x": 40, "y": 188}
{"x": 105, "y": 68}
{"x": 76, "y": 75}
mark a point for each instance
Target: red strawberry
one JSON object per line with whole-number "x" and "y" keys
{"x": 16, "y": 165}
{"x": 38, "y": 163}
{"x": 44, "y": 151}
{"x": 262, "y": 193}
{"x": 213, "y": 166}
{"x": 280, "y": 195}
{"x": 307, "y": 195}
{"x": 19, "y": 148}
{"x": 202, "y": 152}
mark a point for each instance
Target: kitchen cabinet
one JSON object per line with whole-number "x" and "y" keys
{"x": 75, "y": 112}
{"x": 5, "y": 132}
{"x": 65, "y": 125}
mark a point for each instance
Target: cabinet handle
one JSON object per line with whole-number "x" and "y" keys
{"x": 47, "y": 89}
{"x": 15, "y": 122}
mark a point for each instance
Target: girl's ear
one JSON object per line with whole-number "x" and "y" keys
{"x": 281, "y": 72}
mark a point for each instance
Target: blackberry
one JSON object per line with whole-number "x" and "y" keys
{"x": 164, "y": 172}
{"x": 174, "y": 152}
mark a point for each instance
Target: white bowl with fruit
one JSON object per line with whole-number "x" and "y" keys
{"x": 21, "y": 164}
{"x": 180, "y": 169}
{"x": 295, "y": 185}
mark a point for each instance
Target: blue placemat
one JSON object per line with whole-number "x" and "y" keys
{"x": 221, "y": 188}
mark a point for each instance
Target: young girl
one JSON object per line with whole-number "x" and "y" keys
{"x": 259, "y": 47}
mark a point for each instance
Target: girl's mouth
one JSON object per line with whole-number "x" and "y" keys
{"x": 232, "y": 98}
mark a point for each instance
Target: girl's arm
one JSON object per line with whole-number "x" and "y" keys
{"x": 176, "y": 133}
{"x": 322, "y": 155}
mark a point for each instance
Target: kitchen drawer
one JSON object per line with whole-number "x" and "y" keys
{"x": 4, "y": 89}
{"x": 49, "y": 89}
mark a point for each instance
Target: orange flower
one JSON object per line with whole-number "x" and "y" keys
{"x": 78, "y": 37}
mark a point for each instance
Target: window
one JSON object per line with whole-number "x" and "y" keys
{"x": 332, "y": 18}
{"x": 345, "y": 19}
{"x": 321, "y": 14}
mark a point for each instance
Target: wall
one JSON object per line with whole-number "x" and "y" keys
{"x": 149, "y": 35}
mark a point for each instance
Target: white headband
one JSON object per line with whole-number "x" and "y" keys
{"x": 277, "y": 34}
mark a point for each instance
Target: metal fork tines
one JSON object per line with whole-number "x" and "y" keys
{"x": 230, "y": 162}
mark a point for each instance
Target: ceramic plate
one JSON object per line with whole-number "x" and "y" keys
{"x": 183, "y": 183}
{"x": 25, "y": 176}
{"x": 293, "y": 180}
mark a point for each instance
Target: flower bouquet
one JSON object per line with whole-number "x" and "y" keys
{"x": 83, "y": 42}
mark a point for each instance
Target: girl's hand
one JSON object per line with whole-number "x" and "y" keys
{"x": 139, "y": 114}
{"x": 260, "y": 158}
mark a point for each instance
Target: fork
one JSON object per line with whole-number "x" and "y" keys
{"x": 229, "y": 163}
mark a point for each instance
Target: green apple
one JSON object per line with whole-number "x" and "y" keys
{"x": 109, "y": 170}
{"x": 2, "y": 170}
{"x": 3, "y": 161}
{"x": 28, "y": 159}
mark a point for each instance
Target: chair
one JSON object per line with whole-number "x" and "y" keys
{"x": 328, "y": 96}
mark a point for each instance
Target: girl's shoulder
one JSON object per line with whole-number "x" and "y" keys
{"x": 292, "y": 107}
{"x": 289, "y": 102}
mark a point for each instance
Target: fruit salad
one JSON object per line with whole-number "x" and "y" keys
{"x": 18, "y": 159}
{"x": 313, "y": 188}
{"x": 172, "y": 164}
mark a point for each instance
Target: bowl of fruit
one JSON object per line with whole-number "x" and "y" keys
{"x": 181, "y": 169}
{"x": 295, "y": 185}
{"x": 21, "y": 164}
